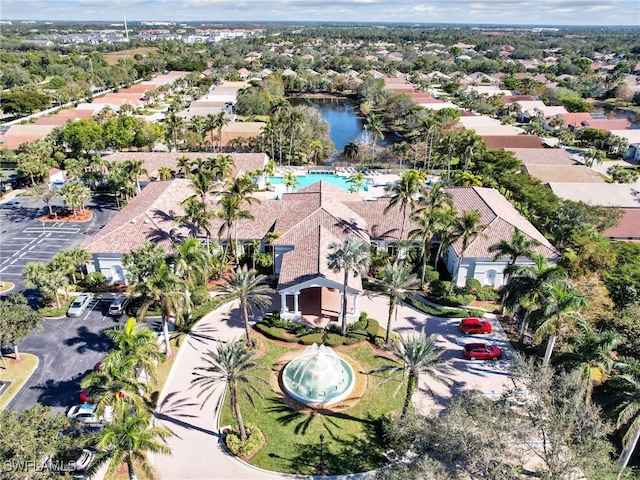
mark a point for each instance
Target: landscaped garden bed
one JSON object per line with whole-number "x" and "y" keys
{"x": 352, "y": 436}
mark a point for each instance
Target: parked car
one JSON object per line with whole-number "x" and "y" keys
{"x": 85, "y": 459}
{"x": 474, "y": 325}
{"x": 79, "y": 305}
{"x": 118, "y": 306}
{"x": 482, "y": 351}
{"x": 86, "y": 413}
{"x": 11, "y": 205}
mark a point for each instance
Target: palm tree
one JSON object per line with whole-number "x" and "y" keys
{"x": 203, "y": 183}
{"x": 525, "y": 285}
{"x": 396, "y": 280}
{"x": 64, "y": 263}
{"x": 352, "y": 255}
{"x": 357, "y": 182}
{"x": 230, "y": 212}
{"x": 231, "y": 364}
{"x": 290, "y": 180}
{"x": 196, "y": 216}
{"x": 593, "y": 155}
{"x": 350, "y": 151}
{"x": 415, "y": 355}
{"x": 559, "y": 303}
{"x": 128, "y": 439}
{"x": 80, "y": 257}
{"x": 165, "y": 173}
{"x": 115, "y": 381}
{"x": 628, "y": 384}
{"x": 430, "y": 220}
{"x": 519, "y": 245}
{"x": 140, "y": 343}
{"x": 377, "y": 129}
{"x": 166, "y": 290}
{"x": 590, "y": 352}
{"x": 223, "y": 167}
{"x": 190, "y": 262}
{"x": 184, "y": 165}
{"x": 466, "y": 227}
{"x": 270, "y": 239}
{"x": 253, "y": 292}
{"x": 405, "y": 194}
{"x": 175, "y": 125}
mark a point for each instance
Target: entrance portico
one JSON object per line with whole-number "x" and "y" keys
{"x": 318, "y": 297}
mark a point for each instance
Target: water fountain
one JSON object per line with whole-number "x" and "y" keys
{"x": 318, "y": 377}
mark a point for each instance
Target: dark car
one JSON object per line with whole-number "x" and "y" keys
{"x": 118, "y": 306}
{"x": 482, "y": 351}
{"x": 474, "y": 325}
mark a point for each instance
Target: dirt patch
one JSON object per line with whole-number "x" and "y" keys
{"x": 113, "y": 57}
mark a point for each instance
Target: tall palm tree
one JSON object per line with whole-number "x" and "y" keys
{"x": 232, "y": 365}
{"x": 466, "y": 227}
{"x": 230, "y": 212}
{"x": 525, "y": 285}
{"x": 129, "y": 438}
{"x": 223, "y": 167}
{"x": 350, "y": 256}
{"x": 80, "y": 256}
{"x": 184, "y": 165}
{"x": 64, "y": 263}
{"x": 377, "y": 129}
{"x": 270, "y": 239}
{"x": 405, "y": 194}
{"x": 203, "y": 183}
{"x": 415, "y": 355}
{"x": 396, "y": 280}
{"x": 350, "y": 151}
{"x": 165, "y": 289}
{"x": 196, "y": 216}
{"x": 593, "y": 155}
{"x": 590, "y": 351}
{"x": 140, "y": 343}
{"x": 519, "y": 245}
{"x": 295, "y": 124}
{"x": 559, "y": 303}
{"x": 430, "y": 219}
{"x": 219, "y": 122}
{"x": 628, "y": 397}
{"x": 251, "y": 289}
{"x": 175, "y": 125}
{"x": 290, "y": 180}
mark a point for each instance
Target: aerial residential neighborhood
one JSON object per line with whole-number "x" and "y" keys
{"x": 255, "y": 250}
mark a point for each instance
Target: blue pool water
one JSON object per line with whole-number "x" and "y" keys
{"x": 313, "y": 177}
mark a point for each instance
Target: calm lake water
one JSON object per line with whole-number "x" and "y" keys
{"x": 342, "y": 116}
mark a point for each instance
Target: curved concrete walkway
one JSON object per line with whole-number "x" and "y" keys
{"x": 196, "y": 449}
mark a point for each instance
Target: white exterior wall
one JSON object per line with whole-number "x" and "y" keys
{"x": 110, "y": 265}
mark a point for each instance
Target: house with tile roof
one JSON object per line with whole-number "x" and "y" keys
{"x": 307, "y": 222}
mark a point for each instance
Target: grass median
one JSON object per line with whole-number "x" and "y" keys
{"x": 16, "y": 372}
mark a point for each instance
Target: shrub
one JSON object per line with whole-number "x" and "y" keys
{"x": 94, "y": 281}
{"x": 334, "y": 328}
{"x": 373, "y": 327}
{"x": 472, "y": 285}
{"x": 53, "y": 311}
{"x": 353, "y": 339}
{"x": 275, "y": 333}
{"x": 311, "y": 338}
{"x": 200, "y": 295}
{"x": 201, "y": 310}
{"x": 439, "y": 288}
{"x": 333, "y": 340}
{"x": 487, "y": 294}
{"x": 240, "y": 448}
{"x": 360, "y": 324}
{"x": 457, "y": 300}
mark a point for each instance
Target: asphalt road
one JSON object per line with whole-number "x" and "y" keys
{"x": 69, "y": 347}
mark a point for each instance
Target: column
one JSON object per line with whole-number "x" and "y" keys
{"x": 354, "y": 311}
{"x": 283, "y": 303}
{"x": 296, "y": 312}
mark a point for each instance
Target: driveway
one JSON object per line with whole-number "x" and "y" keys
{"x": 196, "y": 449}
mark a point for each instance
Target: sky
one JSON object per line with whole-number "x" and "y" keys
{"x": 504, "y": 12}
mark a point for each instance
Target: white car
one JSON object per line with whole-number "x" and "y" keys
{"x": 86, "y": 457}
{"x": 86, "y": 413}
{"x": 11, "y": 205}
{"x": 79, "y": 305}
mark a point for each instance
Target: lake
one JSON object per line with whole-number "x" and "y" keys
{"x": 342, "y": 116}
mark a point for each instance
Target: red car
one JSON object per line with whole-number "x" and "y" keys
{"x": 474, "y": 325}
{"x": 84, "y": 394}
{"x": 482, "y": 351}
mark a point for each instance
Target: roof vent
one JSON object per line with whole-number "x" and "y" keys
{"x": 146, "y": 221}
{"x": 133, "y": 220}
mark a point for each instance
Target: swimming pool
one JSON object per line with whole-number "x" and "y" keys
{"x": 313, "y": 177}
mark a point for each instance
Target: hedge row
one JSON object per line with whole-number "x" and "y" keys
{"x": 444, "y": 312}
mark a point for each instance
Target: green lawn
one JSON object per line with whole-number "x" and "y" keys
{"x": 352, "y": 438}
{"x": 17, "y": 373}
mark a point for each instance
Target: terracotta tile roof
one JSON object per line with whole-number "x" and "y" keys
{"x": 602, "y": 194}
{"x": 150, "y": 216}
{"x": 499, "y": 142}
{"x": 562, "y": 173}
{"x": 13, "y": 142}
{"x": 73, "y": 113}
{"x": 309, "y": 260}
{"x": 54, "y": 120}
{"x": 499, "y": 216}
{"x": 543, "y": 156}
{"x": 586, "y": 120}
{"x": 628, "y": 228}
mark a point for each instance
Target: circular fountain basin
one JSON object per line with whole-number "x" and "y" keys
{"x": 318, "y": 377}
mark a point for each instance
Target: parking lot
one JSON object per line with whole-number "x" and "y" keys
{"x": 68, "y": 347}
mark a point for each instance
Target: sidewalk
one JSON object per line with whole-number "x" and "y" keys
{"x": 196, "y": 449}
